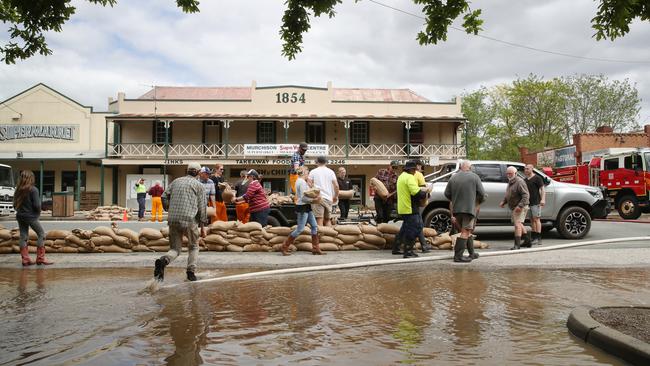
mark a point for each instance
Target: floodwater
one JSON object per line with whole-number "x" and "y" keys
{"x": 407, "y": 314}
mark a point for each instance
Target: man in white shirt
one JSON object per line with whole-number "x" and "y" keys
{"x": 324, "y": 179}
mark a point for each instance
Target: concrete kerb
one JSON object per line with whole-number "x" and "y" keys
{"x": 583, "y": 325}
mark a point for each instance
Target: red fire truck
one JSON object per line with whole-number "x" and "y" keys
{"x": 625, "y": 176}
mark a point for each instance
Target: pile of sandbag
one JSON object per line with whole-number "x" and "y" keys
{"x": 233, "y": 236}
{"x": 109, "y": 213}
{"x": 7, "y": 241}
{"x": 446, "y": 241}
{"x": 276, "y": 199}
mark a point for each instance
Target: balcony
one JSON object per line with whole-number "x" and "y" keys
{"x": 236, "y": 151}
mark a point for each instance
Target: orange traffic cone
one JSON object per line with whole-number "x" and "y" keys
{"x": 125, "y": 217}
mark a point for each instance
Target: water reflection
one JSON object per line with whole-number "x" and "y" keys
{"x": 379, "y": 316}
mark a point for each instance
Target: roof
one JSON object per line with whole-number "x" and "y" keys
{"x": 245, "y": 93}
{"x": 219, "y": 116}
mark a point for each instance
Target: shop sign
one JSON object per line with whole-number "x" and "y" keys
{"x": 565, "y": 157}
{"x": 282, "y": 150}
{"x": 18, "y": 132}
{"x": 285, "y": 162}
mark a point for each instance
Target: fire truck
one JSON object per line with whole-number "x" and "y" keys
{"x": 625, "y": 177}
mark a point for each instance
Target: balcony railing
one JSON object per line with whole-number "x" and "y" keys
{"x": 207, "y": 151}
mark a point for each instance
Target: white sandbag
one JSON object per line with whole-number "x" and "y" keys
{"x": 380, "y": 188}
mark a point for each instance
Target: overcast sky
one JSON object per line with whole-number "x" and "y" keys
{"x": 102, "y": 51}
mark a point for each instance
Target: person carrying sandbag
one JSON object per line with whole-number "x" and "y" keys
{"x": 344, "y": 185}
{"x": 385, "y": 205}
{"x": 219, "y": 205}
{"x": 256, "y": 198}
{"x": 297, "y": 161}
{"x": 242, "y": 208}
{"x": 304, "y": 214}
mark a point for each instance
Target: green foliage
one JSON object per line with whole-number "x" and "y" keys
{"x": 540, "y": 114}
{"x": 614, "y": 17}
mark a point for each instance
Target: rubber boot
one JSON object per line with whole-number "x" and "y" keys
{"x": 470, "y": 248}
{"x": 527, "y": 241}
{"x": 24, "y": 255}
{"x": 539, "y": 239}
{"x": 397, "y": 243}
{"x": 40, "y": 256}
{"x": 517, "y": 243}
{"x": 190, "y": 275}
{"x": 315, "y": 245}
{"x": 408, "y": 249}
{"x": 286, "y": 245}
{"x": 459, "y": 248}
{"x": 159, "y": 268}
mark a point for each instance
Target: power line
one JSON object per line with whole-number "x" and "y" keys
{"x": 513, "y": 44}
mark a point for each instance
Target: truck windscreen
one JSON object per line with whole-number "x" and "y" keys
{"x": 6, "y": 177}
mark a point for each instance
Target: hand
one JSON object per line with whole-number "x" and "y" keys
{"x": 335, "y": 201}
{"x": 502, "y": 204}
{"x": 453, "y": 220}
{"x": 517, "y": 209}
{"x": 542, "y": 203}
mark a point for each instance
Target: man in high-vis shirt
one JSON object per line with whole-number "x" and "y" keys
{"x": 141, "y": 195}
{"x": 408, "y": 194}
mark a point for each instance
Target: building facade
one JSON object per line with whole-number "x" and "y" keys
{"x": 259, "y": 128}
{"x": 62, "y": 141}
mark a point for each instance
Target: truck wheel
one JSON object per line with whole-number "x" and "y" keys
{"x": 628, "y": 207}
{"x": 573, "y": 222}
{"x": 273, "y": 221}
{"x": 438, "y": 219}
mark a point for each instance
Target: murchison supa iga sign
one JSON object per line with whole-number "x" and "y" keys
{"x": 19, "y": 132}
{"x": 282, "y": 150}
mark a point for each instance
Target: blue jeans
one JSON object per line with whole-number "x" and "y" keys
{"x": 303, "y": 218}
{"x": 141, "y": 204}
{"x": 24, "y": 225}
{"x": 261, "y": 216}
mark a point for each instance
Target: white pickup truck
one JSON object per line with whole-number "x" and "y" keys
{"x": 6, "y": 190}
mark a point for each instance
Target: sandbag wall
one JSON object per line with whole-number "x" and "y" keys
{"x": 221, "y": 236}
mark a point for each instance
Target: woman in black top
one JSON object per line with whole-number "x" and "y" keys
{"x": 27, "y": 204}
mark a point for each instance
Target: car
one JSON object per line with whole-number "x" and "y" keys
{"x": 569, "y": 207}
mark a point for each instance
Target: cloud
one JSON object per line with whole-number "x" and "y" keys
{"x": 229, "y": 43}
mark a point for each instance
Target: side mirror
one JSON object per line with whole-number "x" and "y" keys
{"x": 547, "y": 181}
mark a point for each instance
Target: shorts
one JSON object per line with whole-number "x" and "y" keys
{"x": 535, "y": 211}
{"x": 465, "y": 221}
{"x": 322, "y": 209}
{"x": 519, "y": 217}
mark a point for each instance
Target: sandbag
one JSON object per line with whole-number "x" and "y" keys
{"x": 99, "y": 241}
{"x": 5, "y": 235}
{"x": 430, "y": 232}
{"x": 388, "y": 228}
{"x": 128, "y": 233}
{"x": 369, "y": 229}
{"x": 303, "y": 238}
{"x": 150, "y": 234}
{"x": 141, "y": 248}
{"x": 346, "y": 195}
{"x": 268, "y": 236}
{"x": 68, "y": 250}
{"x": 278, "y": 247}
{"x": 114, "y": 249}
{"x": 57, "y": 234}
{"x": 348, "y": 229}
{"x": 279, "y": 230}
{"x": 234, "y": 248}
{"x": 215, "y": 247}
{"x": 312, "y": 192}
{"x": 348, "y": 247}
{"x": 327, "y": 231}
{"x": 158, "y": 242}
{"x": 446, "y": 245}
{"x": 241, "y": 234}
{"x": 304, "y": 246}
{"x": 249, "y": 226}
{"x": 222, "y": 225}
{"x": 105, "y": 231}
{"x": 380, "y": 188}
{"x": 159, "y": 248}
{"x": 228, "y": 195}
{"x": 328, "y": 239}
{"x": 374, "y": 240}
{"x": 366, "y": 246}
{"x": 239, "y": 241}
{"x": 257, "y": 233}
{"x": 6, "y": 243}
{"x": 349, "y": 239}
{"x": 278, "y": 239}
{"x": 442, "y": 239}
{"x": 6, "y": 250}
{"x": 73, "y": 239}
{"x": 165, "y": 231}
{"x": 256, "y": 248}
{"x": 215, "y": 239}
{"x": 83, "y": 234}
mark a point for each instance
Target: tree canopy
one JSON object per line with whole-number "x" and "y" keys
{"x": 29, "y": 20}
{"x": 539, "y": 114}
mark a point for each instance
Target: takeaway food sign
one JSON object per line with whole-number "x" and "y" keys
{"x": 283, "y": 150}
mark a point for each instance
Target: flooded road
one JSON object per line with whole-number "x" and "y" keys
{"x": 380, "y": 316}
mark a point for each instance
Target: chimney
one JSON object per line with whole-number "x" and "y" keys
{"x": 646, "y": 129}
{"x": 604, "y": 129}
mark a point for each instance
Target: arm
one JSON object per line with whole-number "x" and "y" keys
{"x": 202, "y": 203}
{"x": 36, "y": 200}
{"x": 448, "y": 190}
{"x": 525, "y": 196}
{"x": 542, "y": 194}
{"x": 335, "y": 183}
{"x": 480, "y": 191}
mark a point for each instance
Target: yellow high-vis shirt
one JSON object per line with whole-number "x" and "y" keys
{"x": 407, "y": 186}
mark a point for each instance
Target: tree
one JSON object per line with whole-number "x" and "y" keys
{"x": 480, "y": 113}
{"x": 28, "y": 21}
{"x": 594, "y": 101}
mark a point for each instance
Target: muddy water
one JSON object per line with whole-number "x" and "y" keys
{"x": 402, "y": 315}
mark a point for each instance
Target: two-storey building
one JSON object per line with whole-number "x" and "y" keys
{"x": 256, "y": 127}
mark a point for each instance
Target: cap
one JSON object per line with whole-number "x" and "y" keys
{"x": 395, "y": 163}
{"x": 410, "y": 165}
{"x": 253, "y": 173}
{"x": 303, "y": 145}
{"x": 194, "y": 165}
{"x": 205, "y": 169}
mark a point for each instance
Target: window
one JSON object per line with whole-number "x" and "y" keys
{"x": 358, "y": 183}
{"x": 266, "y": 132}
{"x": 633, "y": 162}
{"x": 159, "y": 133}
{"x": 69, "y": 181}
{"x": 274, "y": 185}
{"x": 48, "y": 182}
{"x": 489, "y": 172}
{"x": 611, "y": 164}
{"x": 315, "y": 132}
{"x": 416, "y": 135}
{"x": 359, "y": 133}
{"x": 647, "y": 162}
